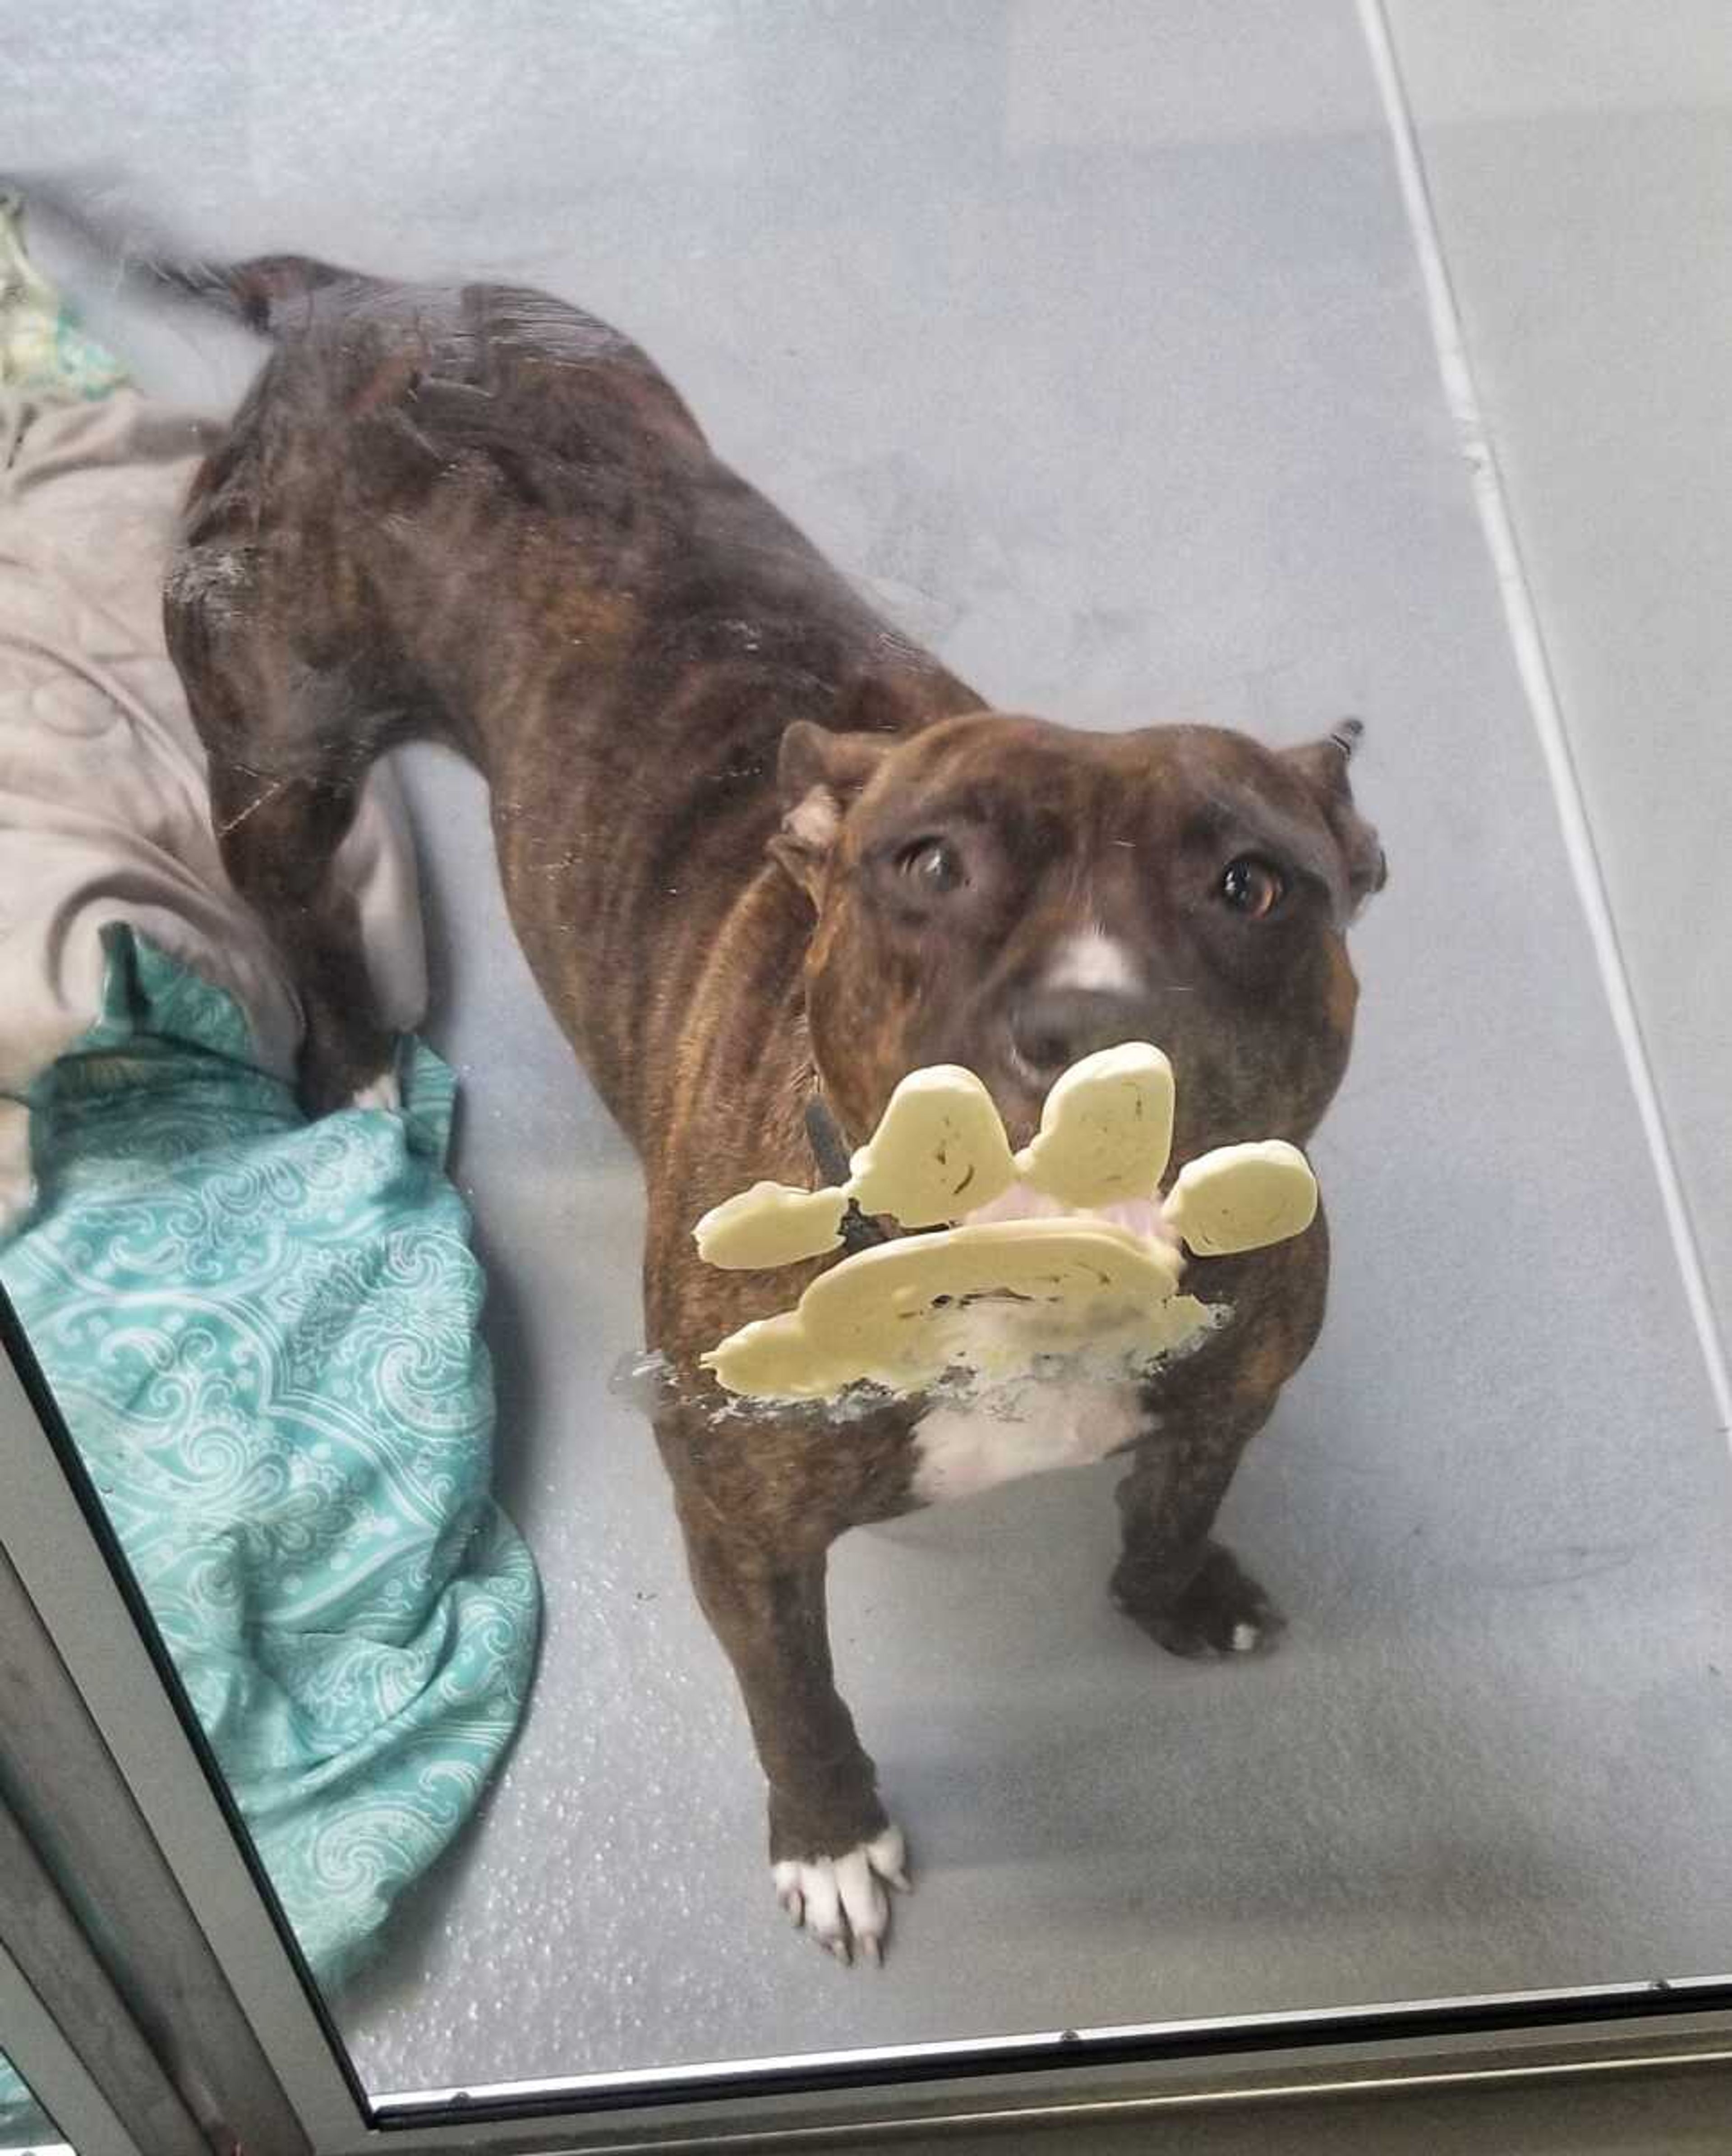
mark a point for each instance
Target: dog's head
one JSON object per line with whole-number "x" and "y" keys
{"x": 1011, "y": 895}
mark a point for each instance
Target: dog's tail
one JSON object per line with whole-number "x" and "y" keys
{"x": 268, "y": 293}
{"x": 260, "y": 293}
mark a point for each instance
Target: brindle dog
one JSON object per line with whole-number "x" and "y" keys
{"x": 759, "y": 848}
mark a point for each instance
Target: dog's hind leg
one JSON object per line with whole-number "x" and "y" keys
{"x": 291, "y": 725}
{"x": 279, "y": 835}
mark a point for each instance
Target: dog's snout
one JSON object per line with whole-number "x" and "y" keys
{"x": 1050, "y": 1029}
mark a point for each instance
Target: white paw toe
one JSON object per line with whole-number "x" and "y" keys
{"x": 382, "y": 1092}
{"x": 839, "y": 1899}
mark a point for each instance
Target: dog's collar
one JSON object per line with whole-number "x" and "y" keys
{"x": 859, "y": 1231}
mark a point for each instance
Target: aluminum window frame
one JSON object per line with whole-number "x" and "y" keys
{"x": 34, "y": 2042}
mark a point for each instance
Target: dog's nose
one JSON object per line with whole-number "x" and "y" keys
{"x": 1053, "y": 1028}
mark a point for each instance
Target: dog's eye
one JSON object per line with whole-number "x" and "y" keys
{"x": 1252, "y": 887}
{"x": 932, "y": 866}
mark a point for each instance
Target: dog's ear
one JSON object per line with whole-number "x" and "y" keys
{"x": 818, "y": 774}
{"x": 1322, "y": 767}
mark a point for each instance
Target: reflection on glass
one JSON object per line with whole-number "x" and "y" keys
{"x": 1098, "y": 402}
{"x": 24, "y": 2126}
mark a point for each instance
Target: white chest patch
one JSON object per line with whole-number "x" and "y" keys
{"x": 1025, "y": 1429}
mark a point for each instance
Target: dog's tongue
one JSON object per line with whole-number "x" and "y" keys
{"x": 1141, "y": 1216}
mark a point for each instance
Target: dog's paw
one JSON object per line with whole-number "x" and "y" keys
{"x": 347, "y": 1061}
{"x": 839, "y": 1899}
{"x": 384, "y": 1092}
{"x": 1222, "y": 1612}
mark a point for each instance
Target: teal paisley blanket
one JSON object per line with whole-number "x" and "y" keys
{"x": 262, "y": 1333}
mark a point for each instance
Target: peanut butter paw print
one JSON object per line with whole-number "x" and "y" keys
{"x": 1063, "y": 1250}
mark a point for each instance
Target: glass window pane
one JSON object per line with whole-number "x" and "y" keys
{"x": 922, "y": 618}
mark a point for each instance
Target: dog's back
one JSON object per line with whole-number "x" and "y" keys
{"x": 402, "y": 443}
{"x": 481, "y": 515}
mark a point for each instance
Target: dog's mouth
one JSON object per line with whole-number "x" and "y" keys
{"x": 1140, "y": 1217}
{"x": 1019, "y": 1091}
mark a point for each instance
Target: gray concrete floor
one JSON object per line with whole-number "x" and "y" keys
{"x": 1091, "y": 338}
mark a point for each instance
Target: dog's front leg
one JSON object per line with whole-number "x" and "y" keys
{"x": 832, "y": 1846}
{"x": 1187, "y": 1591}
